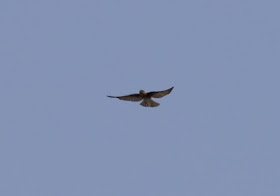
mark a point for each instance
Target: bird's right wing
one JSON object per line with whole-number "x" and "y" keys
{"x": 132, "y": 97}
{"x": 159, "y": 94}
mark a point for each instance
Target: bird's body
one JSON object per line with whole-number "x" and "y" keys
{"x": 146, "y": 97}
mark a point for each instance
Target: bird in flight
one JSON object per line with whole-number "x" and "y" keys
{"x": 146, "y": 97}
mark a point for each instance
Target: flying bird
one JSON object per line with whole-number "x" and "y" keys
{"x": 146, "y": 97}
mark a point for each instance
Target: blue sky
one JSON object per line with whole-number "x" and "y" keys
{"x": 216, "y": 134}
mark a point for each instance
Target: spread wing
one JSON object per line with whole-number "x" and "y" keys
{"x": 132, "y": 97}
{"x": 159, "y": 94}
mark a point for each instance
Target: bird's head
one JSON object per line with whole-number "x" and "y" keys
{"x": 142, "y": 92}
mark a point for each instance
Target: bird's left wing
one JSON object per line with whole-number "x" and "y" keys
{"x": 159, "y": 94}
{"x": 132, "y": 97}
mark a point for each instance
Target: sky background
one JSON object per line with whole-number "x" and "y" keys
{"x": 216, "y": 134}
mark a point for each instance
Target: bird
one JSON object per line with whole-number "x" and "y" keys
{"x": 145, "y": 96}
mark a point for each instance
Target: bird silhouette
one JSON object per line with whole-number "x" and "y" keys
{"x": 145, "y": 96}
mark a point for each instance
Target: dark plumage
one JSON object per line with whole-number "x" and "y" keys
{"x": 146, "y": 97}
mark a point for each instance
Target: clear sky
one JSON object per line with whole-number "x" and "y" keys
{"x": 216, "y": 134}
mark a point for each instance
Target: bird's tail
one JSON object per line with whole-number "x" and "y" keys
{"x": 149, "y": 103}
